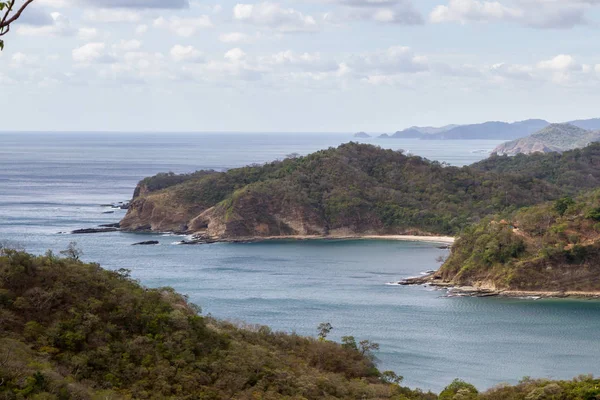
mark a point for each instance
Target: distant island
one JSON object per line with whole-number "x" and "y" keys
{"x": 492, "y": 130}
{"x": 363, "y": 135}
{"x": 553, "y": 138}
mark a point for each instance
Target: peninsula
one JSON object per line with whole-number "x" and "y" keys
{"x": 354, "y": 190}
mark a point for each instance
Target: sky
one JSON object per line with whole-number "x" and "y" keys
{"x": 297, "y": 65}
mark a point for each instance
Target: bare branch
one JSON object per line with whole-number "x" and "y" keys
{"x": 5, "y": 22}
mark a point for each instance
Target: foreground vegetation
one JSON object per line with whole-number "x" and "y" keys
{"x": 553, "y": 246}
{"x": 70, "y": 330}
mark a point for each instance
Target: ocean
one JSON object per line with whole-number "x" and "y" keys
{"x": 56, "y": 182}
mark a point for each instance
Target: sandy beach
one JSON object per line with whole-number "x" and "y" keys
{"x": 447, "y": 240}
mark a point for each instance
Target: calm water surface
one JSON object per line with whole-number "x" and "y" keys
{"x": 55, "y": 182}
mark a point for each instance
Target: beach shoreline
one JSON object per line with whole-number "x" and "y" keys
{"x": 443, "y": 240}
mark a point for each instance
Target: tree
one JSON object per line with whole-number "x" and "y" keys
{"x": 459, "y": 390}
{"x": 72, "y": 251}
{"x": 324, "y": 328}
{"x": 366, "y": 348}
{"x": 348, "y": 342}
{"x": 9, "y": 13}
{"x": 392, "y": 377}
{"x": 562, "y": 205}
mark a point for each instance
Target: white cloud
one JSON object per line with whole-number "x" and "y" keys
{"x": 474, "y": 11}
{"x": 87, "y": 34}
{"x": 181, "y": 53}
{"x": 512, "y": 71}
{"x": 137, "y": 67}
{"x": 544, "y": 14}
{"x": 236, "y": 54}
{"x": 127, "y": 45}
{"x": 137, "y": 4}
{"x": 54, "y": 3}
{"x": 89, "y": 53}
{"x": 560, "y": 63}
{"x": 112, "y": 16}
{"x": 274, "y": 16}
{"x": 394, "y": 60}
{"x": 234, "y": 37}
{"x": 20, "y": 59}
{"x": 184, "y": 27}
{"x": 400, "y": 12}
{"x": 141, "y": 29}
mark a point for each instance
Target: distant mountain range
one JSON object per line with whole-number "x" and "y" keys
{"x": 492, "y": 130}
{"x": 553, "y": 138}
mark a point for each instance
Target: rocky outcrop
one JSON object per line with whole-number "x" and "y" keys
{"x": 147, "y": 243}
{"x": 93, "y": 230}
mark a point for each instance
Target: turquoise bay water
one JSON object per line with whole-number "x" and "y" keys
{"x": 55, "y": 182}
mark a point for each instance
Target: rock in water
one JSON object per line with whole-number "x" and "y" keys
{"x": 146, "y": 243}
{"x": 94, "y": 230}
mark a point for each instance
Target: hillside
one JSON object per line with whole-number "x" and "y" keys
{"x": 552, "y": 247}
{"x": 417, "y": 132}
{"x": 355, "y": 189}
{"x": 588, "y": 124}
{"x": 71, "y": 330}
{"x": 572, "y": 171}
{"x": 553, "y": 138}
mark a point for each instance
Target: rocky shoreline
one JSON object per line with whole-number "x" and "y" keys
{"x": 475, "y": 291}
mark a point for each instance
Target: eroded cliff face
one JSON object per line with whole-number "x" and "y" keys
{"x": 157, "y": 213}
{"x": 249, "y": 213}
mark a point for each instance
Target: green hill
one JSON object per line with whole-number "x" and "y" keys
{"x": 552, "y": 247}
{"x": 354, "y": 189}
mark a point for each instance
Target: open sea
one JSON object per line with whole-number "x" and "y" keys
{"x": 56, "y": 182}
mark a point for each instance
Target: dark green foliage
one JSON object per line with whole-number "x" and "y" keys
{"x": 562, "y": 205}
{"x": 582, "y": 388}
{"x": 357, "y": 187}
{"x": 552, "y": 246}
{"x": 459, "y": 390}
{"x": 594, "y": 214}
{"x": 70, "y": 330}
{"x": 167, "y": 179}
{"x": 573, "y": 170}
